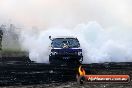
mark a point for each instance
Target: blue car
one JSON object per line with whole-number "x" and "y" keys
{"x": 65, "y": 50}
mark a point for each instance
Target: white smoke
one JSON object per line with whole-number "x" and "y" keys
{"x": 38, "y": 44}
{"x": 105, "y": 45}
{"x": 98, "y": 44}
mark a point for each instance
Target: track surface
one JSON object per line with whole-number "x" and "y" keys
{"x": 34, "y": 73}
{"x": 21, "y": 73}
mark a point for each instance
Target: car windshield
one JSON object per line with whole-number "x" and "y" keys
{"x": 65, "y": 43}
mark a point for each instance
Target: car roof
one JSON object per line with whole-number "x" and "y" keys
{"x": 64, "y": 37}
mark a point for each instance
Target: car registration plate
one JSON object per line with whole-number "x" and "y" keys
{"x": 65, "y": 58}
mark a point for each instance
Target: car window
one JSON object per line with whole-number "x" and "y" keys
{"x": 69, "y": 42}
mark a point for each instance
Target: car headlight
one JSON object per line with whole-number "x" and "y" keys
{"x": 79, "y": 53}
{"x": 54, "y": 53}
{"x": 81, "y": 60}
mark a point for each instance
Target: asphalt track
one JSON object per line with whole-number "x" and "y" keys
{"x": 30, "y": 73}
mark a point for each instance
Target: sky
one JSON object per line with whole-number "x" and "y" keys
{"x": 67, "y": 13}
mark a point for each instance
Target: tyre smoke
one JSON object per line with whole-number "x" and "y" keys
{"x": 99, "y": 45}
{"x": 106, "y": 40}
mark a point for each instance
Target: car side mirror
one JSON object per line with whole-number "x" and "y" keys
{"x": 50, "y": 37}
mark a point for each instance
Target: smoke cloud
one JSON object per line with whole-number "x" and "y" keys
{"x": 98, "y": 44}
{"x": 102, "y": 27}
{"x": 38, "y": 44}
{"x": 67, "y": 13}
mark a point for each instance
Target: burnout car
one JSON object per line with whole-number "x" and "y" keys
{"x": 65, "y": 50}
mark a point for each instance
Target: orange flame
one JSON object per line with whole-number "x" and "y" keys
{"x": 81, "y": 71}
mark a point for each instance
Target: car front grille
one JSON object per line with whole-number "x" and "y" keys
{"x": 67, "y": 53}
